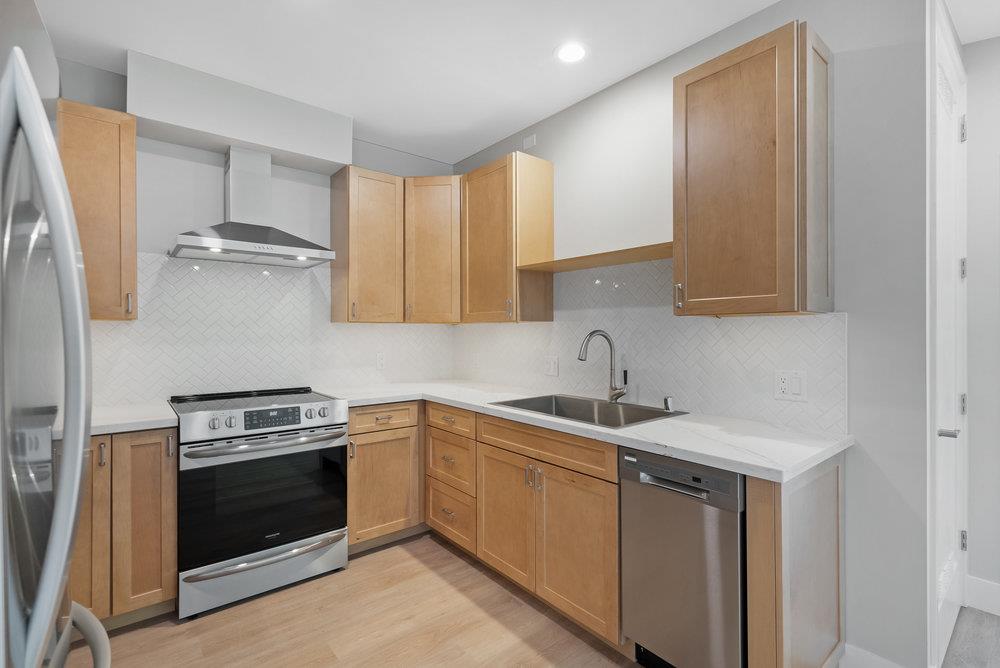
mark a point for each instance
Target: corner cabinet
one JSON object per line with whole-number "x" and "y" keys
{"x": 507, "y": 222}
{"x": 366, "y": 216}
{"x": 97, "y": 148}
{"x": 751, "y": 172}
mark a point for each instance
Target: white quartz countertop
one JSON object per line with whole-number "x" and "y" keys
{"x": 744, "y": 446}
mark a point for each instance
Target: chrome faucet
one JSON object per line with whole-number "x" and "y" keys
{"x": 614, "y": 391}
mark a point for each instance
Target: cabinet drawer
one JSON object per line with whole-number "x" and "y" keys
{"x": 452, "y": 459}
{"x": 363, "y": 419}
{"x": 452, "y": 514}
{"x": 455, "y": 420}
{"x": 576, "y": 453}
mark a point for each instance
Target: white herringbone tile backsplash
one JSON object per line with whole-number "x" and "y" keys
{"x": 723, "y": 366}
{"x": 216, "y": 326}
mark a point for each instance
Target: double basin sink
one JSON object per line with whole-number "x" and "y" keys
{"x": 590, "y": 411}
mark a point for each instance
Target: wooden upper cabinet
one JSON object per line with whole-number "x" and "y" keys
{"x": 506, "y": 222}
{"x": 90, "y": 568}
{"x": 144, "y": 519}
{"x": 97, "y": 148}
{"x": 384, "y": 483}
{"x": 367, "y": 235}
{"x": 433, "y": 252}
{"x": 746, "y": 227}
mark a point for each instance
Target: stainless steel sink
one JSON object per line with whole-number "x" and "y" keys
{"x": 591, "y": 411}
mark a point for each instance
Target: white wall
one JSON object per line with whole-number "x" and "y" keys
{"x": 982, "y": 64}
{"x": 91, "y": 85}
{"x": 612, "y": 155}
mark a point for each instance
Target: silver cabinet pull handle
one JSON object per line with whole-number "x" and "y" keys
{"x": 529, "y": 475}
{"x": 539, "y": 478}
{"x": 448, "y": 418}
{"x": 385, "y": 418}
{"x": 449, "y": 512}
{"x": 678, "y": 288}
{"x": 448, "y": 459}
{"x": 223, "y": 450}
{"x": 354, "y": 310}
{"x": 328, "y": 539}
{"x": 510, "y": 309}
{"x": 170, "y": 445}
{"x": 101, "y": 457}
{"x": 352, "y": 449}
{"x": 949, "y": 433}
{"x": 128, "y": 302}
{"x": 409, "y": 310}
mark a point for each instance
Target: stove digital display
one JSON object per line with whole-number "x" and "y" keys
{"x": 271, "y": 417}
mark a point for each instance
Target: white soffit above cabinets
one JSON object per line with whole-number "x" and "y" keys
{"x": 975, "y": 19}
{"x": 439, "y": 79}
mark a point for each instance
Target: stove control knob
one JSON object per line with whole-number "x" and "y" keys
{"x": 213, "y": 423}
{"x": 310, "y": 414}
{"x": 324, "y": 411}
{"x": 230, "y": 421}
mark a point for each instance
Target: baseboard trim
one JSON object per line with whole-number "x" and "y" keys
{"x": 982, "y": 594}
{"x": 855, "y": 657}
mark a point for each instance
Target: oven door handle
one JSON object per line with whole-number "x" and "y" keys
{"x": 248, "y": 448}
{"x": 323, "y": 541}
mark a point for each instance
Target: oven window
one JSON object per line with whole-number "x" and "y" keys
{"x": 235, "y": 509}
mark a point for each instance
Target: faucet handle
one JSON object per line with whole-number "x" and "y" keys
{"x": 668, "y": 403}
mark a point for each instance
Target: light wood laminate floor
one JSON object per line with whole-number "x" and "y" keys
{"x": 417, "y": 603}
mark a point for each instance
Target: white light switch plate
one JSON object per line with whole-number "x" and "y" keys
{"x": 790, "y": 386}
{"x": 551, "y": 365}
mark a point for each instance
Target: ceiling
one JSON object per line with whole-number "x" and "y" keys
{"x": 437, "y": 78}
{"x": 975, "y": 19}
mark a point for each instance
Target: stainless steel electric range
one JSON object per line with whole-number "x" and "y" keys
{"x": 262, "y": 492}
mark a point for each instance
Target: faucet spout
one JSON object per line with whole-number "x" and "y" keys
{"x": 615, "y": 392}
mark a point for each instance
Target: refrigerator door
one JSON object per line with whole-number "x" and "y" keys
{"x": 45, "y": 365}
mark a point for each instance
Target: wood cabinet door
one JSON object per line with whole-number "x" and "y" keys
{"x": 488, "y": 290}
{"x": 505, "y": 527}
{"x": 143, "y": 519}
{"x": 433, "y": 253}
{"x": 97, "y": 147}
{"x": 383, "y": 483}
{"x": 376, "y": 247}
{"x": 90, "y": 568}
{"x": 735, "y": 181}
{"x": 576, "y": 547}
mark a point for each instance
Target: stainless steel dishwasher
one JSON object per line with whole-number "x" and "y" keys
{"x": 682, "y": 528}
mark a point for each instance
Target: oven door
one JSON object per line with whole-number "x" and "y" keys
{"x": 242, "y": 496}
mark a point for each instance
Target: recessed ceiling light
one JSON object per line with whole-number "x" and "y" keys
{"x": 571, "y": 52}
{"x": 215, "y": 250}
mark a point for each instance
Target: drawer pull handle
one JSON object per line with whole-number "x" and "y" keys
{"x": 381, "y": 418}
{"x": 448, "y": 459}
{"x": 352, "y": 449}
{"x": 102, "y": 460}
{"x": 449, "y": 512}
{"x": 448, "y": 418}
{"x": 529, "y": 471}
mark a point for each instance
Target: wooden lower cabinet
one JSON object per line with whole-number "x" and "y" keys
{"x": 143, "y": 519}
{"x": 90, "y": 568}
{"x": 452, "y": 514}
{"x": 384, "y": 481}
{"x": 576, "y": 547}
{"x": 505, "y": 528}
{"x": 554, "y": 532}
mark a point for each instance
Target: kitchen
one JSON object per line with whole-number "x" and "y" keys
{"x": 335, "y": 336}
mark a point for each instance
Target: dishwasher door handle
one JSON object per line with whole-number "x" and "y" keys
{"x": 679, "y": 487}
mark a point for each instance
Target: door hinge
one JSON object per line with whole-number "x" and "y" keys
{"x": 963, "y": 130}
{"x": 963, "y": 267}
{"x": 963, "y": 403}
{"x": 964, "y": 538}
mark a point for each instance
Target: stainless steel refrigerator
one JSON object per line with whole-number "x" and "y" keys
{"x": 44, "y": 360}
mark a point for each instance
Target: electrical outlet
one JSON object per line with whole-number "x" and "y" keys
{"x": 551, "y": 365}
{"x": 379, "y": 361}
{"x": 790, "y": 386}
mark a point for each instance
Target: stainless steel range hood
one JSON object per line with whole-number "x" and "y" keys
{"x": 247, "y": 236}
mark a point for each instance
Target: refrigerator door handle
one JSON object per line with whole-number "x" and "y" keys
{"x": 90, "y": 627}
{"x": 17, "y": 84}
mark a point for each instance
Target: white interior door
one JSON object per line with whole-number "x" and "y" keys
{"x": 949, "y": 457}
